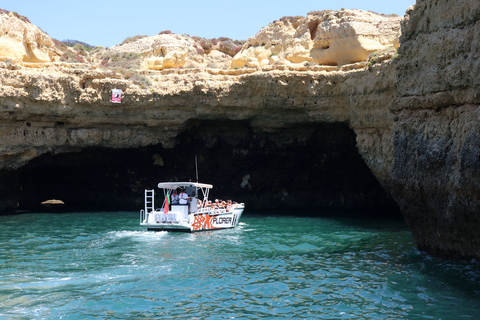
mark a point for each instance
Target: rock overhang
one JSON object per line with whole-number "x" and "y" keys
{"x": 77, "y": 114}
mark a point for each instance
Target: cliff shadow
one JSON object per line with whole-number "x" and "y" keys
{"x": 301, "y": 168}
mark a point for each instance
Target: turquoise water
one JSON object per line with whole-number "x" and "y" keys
{"x": 104, "y": 266}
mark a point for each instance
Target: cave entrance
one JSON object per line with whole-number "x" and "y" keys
{"x": 315, "y": 166}
{"x": 93, "y": 179}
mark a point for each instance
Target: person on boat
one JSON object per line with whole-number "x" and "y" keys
{"x": 216, "y": 205}
{"x": 183, "y": 197}
{"x": 175, "y": 197}
{"x": 209, "y": 205}
{"x": 193, "y": 205}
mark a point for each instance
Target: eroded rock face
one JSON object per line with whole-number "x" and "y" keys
{"x": 168, "y": 51}
{"x": 437, "y": 135}
{"x": 63, "y": 111}
{"x": 161, "y": 51}
{"x": 24, "y": 41}
{"x": 323, "y": 37}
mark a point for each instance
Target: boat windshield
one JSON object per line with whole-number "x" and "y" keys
{"x": 193, "y": 189}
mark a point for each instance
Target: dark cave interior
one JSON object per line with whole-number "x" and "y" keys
{"x": 310, "y": 167}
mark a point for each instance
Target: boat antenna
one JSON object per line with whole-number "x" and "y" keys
{"x": 196, "y": 167}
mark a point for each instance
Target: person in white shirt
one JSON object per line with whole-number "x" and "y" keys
{"x": 183, "y": 197}
{"x": 194, "y": 205}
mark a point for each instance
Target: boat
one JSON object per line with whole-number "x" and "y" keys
{"x": 189, "y": 211}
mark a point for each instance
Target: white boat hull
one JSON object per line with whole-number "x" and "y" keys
{"x": 205, "y": 220}
{"x": 185, "y": 211}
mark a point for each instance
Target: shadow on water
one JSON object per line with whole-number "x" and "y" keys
{"x": 463, "y": 277}
{"x": 380, "y": 226}
{"x": 365, "y": 218}
{"x": 387, "y": 212}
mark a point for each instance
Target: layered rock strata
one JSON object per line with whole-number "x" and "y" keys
{"x": 437, "y": 133}
{"x": 57, "y": 112}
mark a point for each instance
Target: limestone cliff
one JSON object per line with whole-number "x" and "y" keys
{"x": 323, "y": 37}
{"x": 166, "y": 51}
{"x": 436, "y": 136}
{"x": 22, "y": 40}
{"x": 275, "y": 134}
{"x": 63, "y": 111}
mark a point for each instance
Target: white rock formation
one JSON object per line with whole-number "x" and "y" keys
{"x": 173, "y": 51}
{"x": 323, "y": 37}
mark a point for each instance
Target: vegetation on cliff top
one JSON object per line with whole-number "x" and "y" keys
{"x": 129, "y": 64}
{"x": 23, "y": 18}
{"x": 169, "y": 50}
{"x": 380, "y": 56}
{"x": 73, "y": 43}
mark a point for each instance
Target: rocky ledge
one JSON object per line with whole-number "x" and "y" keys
{"x": 294, "y": 120}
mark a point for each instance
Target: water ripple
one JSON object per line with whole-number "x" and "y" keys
{"x": 103, "y": 265}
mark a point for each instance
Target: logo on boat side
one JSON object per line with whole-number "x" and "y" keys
{"x": 206, "y": 222}
{"x": 222, "y": 220}
{"x": 202, "y": 222}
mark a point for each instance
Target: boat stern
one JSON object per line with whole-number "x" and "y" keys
{"x": 175, "y": 220}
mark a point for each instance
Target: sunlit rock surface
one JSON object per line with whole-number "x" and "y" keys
{"x": 24, "y": 41}
{"x": 323, "y": 37}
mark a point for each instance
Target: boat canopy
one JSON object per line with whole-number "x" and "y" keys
{"x": 175, "y": 185}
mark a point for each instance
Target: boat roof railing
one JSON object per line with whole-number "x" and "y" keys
{"x": 175, "y": 185}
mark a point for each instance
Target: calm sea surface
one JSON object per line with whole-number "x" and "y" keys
{"x": 104, "y": 266}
